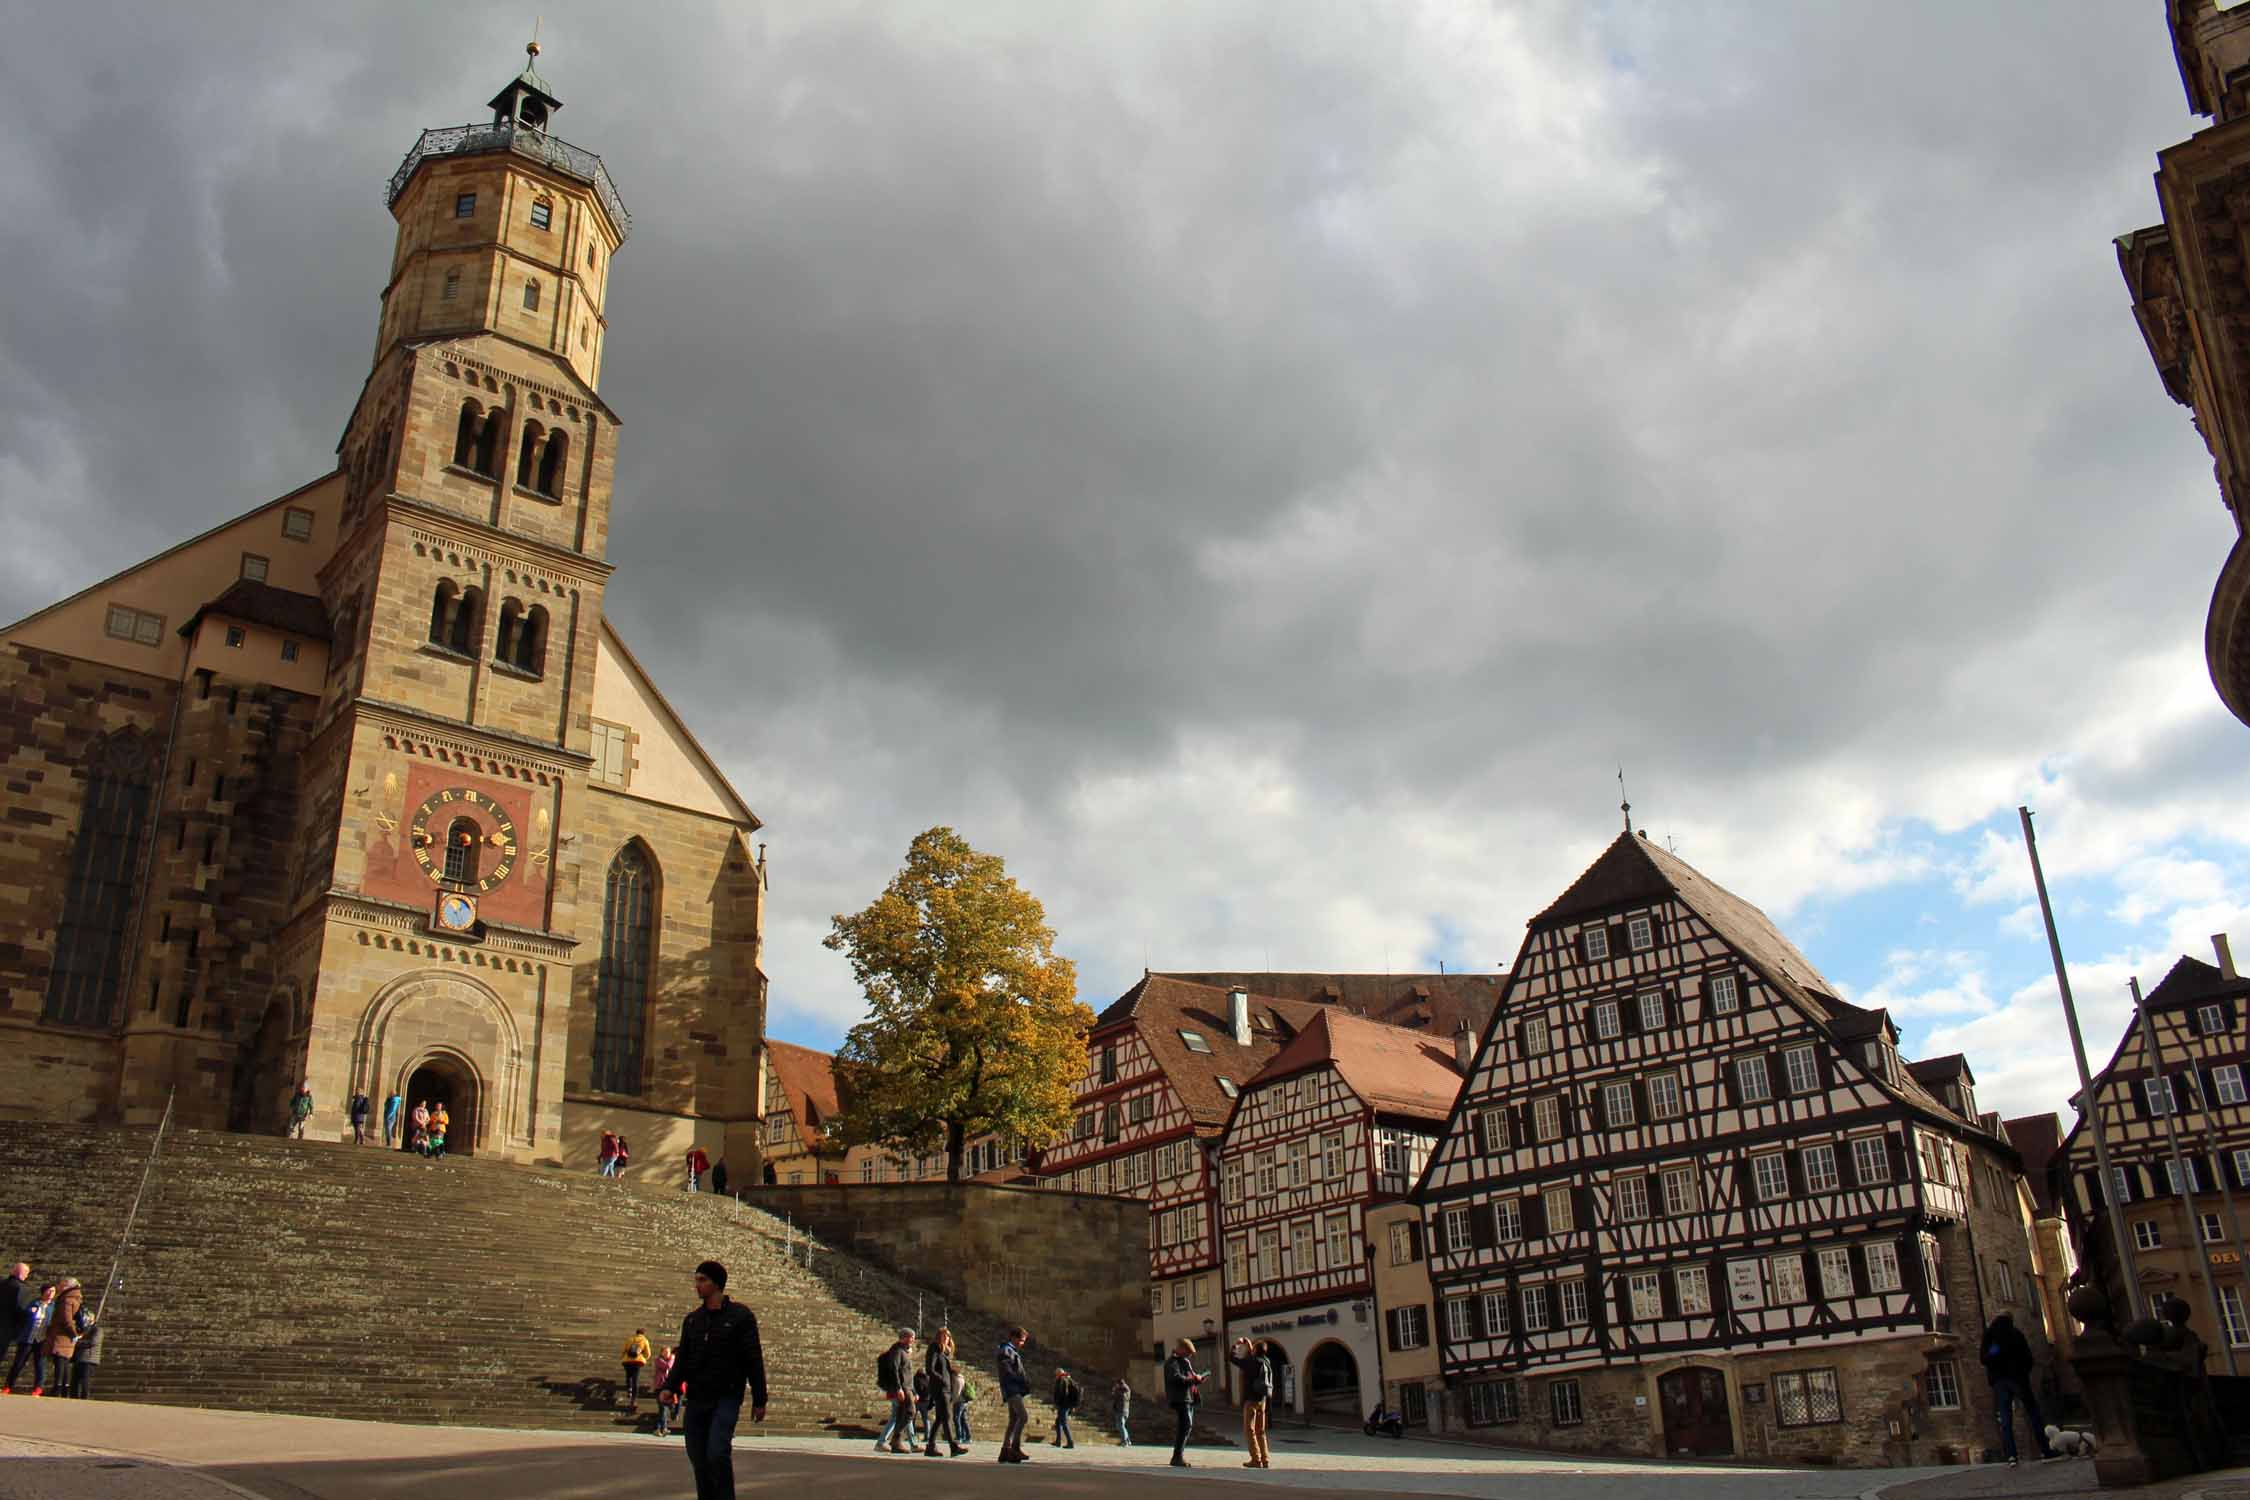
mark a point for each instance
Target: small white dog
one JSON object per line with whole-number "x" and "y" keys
{"x": 2070, "y": 1444}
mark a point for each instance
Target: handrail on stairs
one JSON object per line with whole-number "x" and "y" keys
{"x": 117, "y": 1261}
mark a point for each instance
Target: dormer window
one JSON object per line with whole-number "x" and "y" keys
{"x": 542, "y": 214}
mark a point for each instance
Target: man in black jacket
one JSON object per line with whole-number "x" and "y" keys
{"x": 718, "y": 1355}
{"x": 2007, "y": 1364}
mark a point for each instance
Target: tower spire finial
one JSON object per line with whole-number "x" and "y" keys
{"x": 1623, "y": 805}
{"x": 531, "y": 48}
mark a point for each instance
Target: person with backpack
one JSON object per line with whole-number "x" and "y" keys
{"x": 894, "y": 1378}
{"x": 1065, "y": 1397}
{"x": 86, "y": 1358}
{"x": 941, "y": 1372}
{"x": 1015, "y": 1385}
{"x": 1257, "y": 1389}
{"x": 1121, "y": 1407}
{"x": 359, "y": 1111}
{"x": 2007, "y": 1364}
{"x": 635, "y": 1359}
{"x": 300, "y": 1110}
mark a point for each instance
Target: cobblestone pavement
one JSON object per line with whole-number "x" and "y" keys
{"x": 61, "y": 1451}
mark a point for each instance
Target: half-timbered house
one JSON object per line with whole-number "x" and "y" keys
{"x": 1343, "y": 1117}
{"x": 1691, "y": 1201}
{"x": 2203, "y": 1042}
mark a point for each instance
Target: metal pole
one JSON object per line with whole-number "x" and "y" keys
{"x": 2090, "y": 1105}
{"x": 118, "y": 1261}
{"x": 2183, "y": 1180}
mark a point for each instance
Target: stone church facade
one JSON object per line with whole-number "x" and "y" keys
{"x": 361, "y": 787}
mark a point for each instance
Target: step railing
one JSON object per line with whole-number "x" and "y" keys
{"x": 117, "y": 1261}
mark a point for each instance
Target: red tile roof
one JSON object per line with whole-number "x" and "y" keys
{"x": 808, "y": 1082}
{"x": 2039, "y": 1138}
{"x": 1160, "y": 1008}
{"x": 1392, "y": 1069}
{"x": 1431, "y": 1003}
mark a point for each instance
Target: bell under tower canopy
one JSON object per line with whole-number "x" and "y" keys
{"x": 521, "y": 116}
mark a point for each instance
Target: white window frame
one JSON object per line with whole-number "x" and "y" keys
{"x": 2147, "y": 1235}
{"x": 1339, "y": 1227}
{"x": 2210, "y": 1020}
{"x": 1609, "y": 1021}
{"x": 1692, "y": 1286}
{"x": 1817, "y": 1163}
{"x": 1787, "y": 1275}
{"x": 1871, "y": 1159}
{"x": 1632, "y": 1201}
{"x": 1743, "y": 1074}
{"x": 1456, "y": 1222}
{"x": 1596, "y": 939}
{"x": 1800, "y": 1068}
{"x": 1677, "y": 1191}
{"x": 2178, "y": 1178}
{"x": 1536, "y": 1309}
{"x": 1941, "y": 1385}
{"x": 1570, "y": 1294}
{"x": 1617, "y": 1104}
{"x": 1492, "y": 1131}
{"x": 1499, "y": 1318}
{"x": 2226, "y": 1084}
{"x": 1650, "y": 1004}
{"x": 1835, "y": 1264}
{"x": 1666, "y": 1099}
{"x": 1507, "y": 1220}
{"x": 2213, "y": 1231}
{"x": 1303, "y": 1236}
{"x": 2231, "y": 1312}
{"x": 1535, "y": 1042}
{"x": 1822, "y": 1385}
{"x": 1884, "y": 1273}
{"x": 1726, "y": 994}
{"x": 1402, "y": 1244}
{"x": 1769, "y": 1176}
{"x": 1413, "y": 1327}
{"x": 1546, "y": 1118}
{"x": 2157, "y": 1094}
{"x": 296, "y": 523}
{"x": 1459, "y": 1326}
{"x": 1640, "y": 934}
{"x": 1564, "y": 1404}
{"x": 1644, "y": 1297}
{"x": 1564, "y": 1222}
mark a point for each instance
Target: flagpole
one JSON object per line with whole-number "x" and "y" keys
{"x": 2090, "y": 1106}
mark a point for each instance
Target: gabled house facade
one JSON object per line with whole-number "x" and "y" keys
{"x": 1691, "y": 1201}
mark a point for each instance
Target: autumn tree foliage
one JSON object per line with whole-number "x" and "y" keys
{"x": 973, "y": 1023}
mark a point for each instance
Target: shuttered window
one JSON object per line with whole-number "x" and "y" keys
{"x": 1664, "y": 1102}
{"x": 1507, "y": 1219}
{"x": 1750, "y": 1080}
{"x": 1495, "y": 1314}
{"x": 1556, "y": 1204}
{"x": 1818, "y": 1163}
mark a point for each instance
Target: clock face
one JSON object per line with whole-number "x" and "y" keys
{"x": 456, "y": 912}
{"x": 463, "y": 839}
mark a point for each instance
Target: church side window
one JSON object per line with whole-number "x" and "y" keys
{"x": 98, "y": 893}
{"x": 461, "y": 842}
{"x": 621, "y": 981}
{"x": 531, "y": 296}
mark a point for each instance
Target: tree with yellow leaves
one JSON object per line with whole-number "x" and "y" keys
{"x": 973, "y": 1023}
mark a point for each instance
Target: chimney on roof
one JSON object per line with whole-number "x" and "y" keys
{"x": 1238, "y": 1015}
{"x": 1464, "y": 1044}
{"x": 2220, "y": 946}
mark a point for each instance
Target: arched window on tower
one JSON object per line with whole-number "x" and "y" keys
{"x": 621, "y": 980}
{"x": 98, "y": 892}
{"x": 455, "y": 614}
{"x": 531, "y": 641}
{"x": 462, "y": 842}
{"x": 466, "y": 433}
{"x": 488, "y": 445}
{"x": 551, "y": 461}
{"x": 527, "y": 455}
{"x": 504, "y": 642}
{"x": 443, "y": 606}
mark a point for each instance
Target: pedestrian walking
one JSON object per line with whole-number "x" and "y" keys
{"x": 300, "y": 1110}
{"x": 17, "y": 1294}
{"x": 719, "y": 1177}
{"x": 624, "y": 1157}
{"x": 660, "y": 1370}
{"x": 1015, "y": 1385}
{"x": 439, "y": 1122}
{"x": 2007, "y": 1364}
{"x": 31, "y": 1340}
{"x": 1249, "y": 1359}
{"x": 606, "y": 1159}
{"x": 62, "y": 1331}
{"x": 1065, "y": 1397}
{"x": 359, "y": 1112}
{"x": 943, "y": 1372}
{"x": 393, "y": 1107}
{"x": 1181, "y": 1379}
{"x": 894, "y": 1378}
{"x": 1121, "y": 1407}
{"x": 636, "y": 1359}
{"x": 718, "y": 1355}
{"x": 961, "y": 1407}
{"x": 697, "y": 1165}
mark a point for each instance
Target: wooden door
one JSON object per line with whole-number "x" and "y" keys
{"x": 1696, "y": 1424}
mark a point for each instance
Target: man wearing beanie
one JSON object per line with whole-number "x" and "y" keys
{"x": 718, "y": 1355}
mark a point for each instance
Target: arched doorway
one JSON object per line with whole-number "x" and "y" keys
{"x": 1696, "y": 1423}
{"x": 259, "y": 1099}
{"x": 1284, "y": 1376}
{"x": 1331, "y": 1381}
{"x": 449, "y": 1080}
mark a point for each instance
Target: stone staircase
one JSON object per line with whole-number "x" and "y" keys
{"x": 346, "y": 1281}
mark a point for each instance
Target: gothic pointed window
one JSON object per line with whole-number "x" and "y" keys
{"x": 621, "y": 980}
{"x": 461, "y": 845}
{"x": 98, "y": 893}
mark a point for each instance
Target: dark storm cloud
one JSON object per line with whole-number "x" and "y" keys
{"x": 1261, "y": 477}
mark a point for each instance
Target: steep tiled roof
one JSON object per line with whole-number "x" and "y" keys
{"x": 809, "y": 1082}
{"x": 1389, "y": 1067}
{"x": 2038, "y": 1138}
{"x": 1432, "y": 1003}
{"x": 284, "y": 610}
{"x": 1161, "y": 1007}
{"x": 2190, "y": 982}
{"x": 1934, "y": 1072}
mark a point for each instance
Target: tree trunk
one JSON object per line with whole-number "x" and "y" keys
{"x": 956, "y": 1147}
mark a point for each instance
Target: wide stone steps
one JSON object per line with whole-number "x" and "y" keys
{"x": 335, "y": 1280}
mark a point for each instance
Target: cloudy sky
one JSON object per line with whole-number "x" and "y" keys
{"x": 1262, "y": 469}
